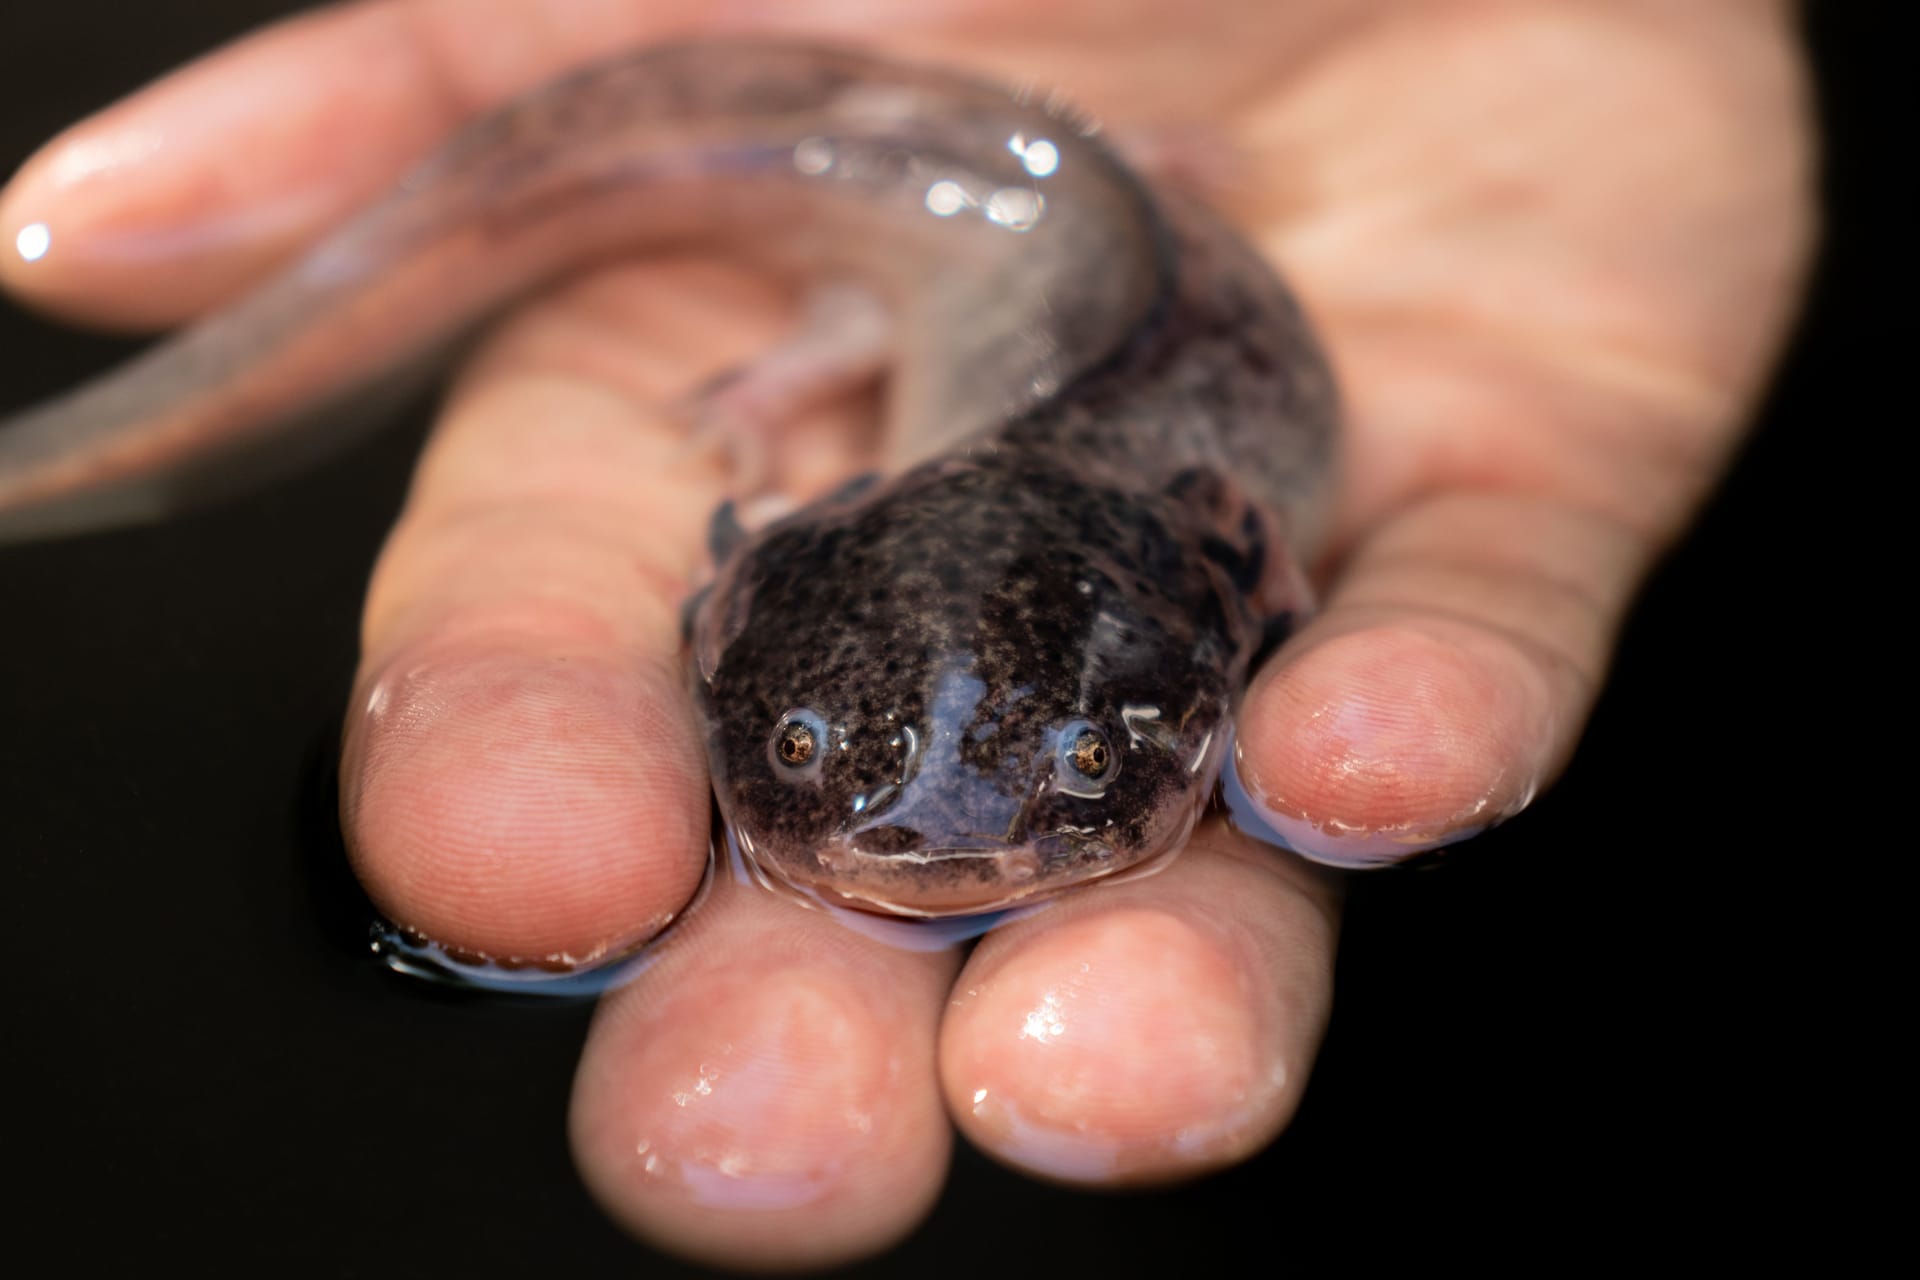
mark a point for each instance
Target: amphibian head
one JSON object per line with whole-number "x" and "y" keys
{"x": 967, "y": 687}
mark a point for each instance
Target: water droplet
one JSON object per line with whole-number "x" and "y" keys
{"x": 1014, "y": 208}
{"x": 1041, "y": 158}
{"x": 946, "y": 198}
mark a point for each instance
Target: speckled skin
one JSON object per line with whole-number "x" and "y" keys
{"x": 985, "y": 604}
{"x": 1109, "y": 434}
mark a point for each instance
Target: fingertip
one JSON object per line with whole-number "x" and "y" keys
{"x": 523, "y": 801}
{"x": 1149, "y": 1031}
{"x": 1044, "y": 1066}
{"x": 763, "y": 1097}
{"x": 1385, "y": 738}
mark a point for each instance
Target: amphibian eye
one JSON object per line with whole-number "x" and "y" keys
{"x": 796, "y": 744}
{"x": 798, "y": 739}
{"x": 1089, "y": 754}
{"x": 1087, "y": 759}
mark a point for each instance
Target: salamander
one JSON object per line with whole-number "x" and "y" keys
{"x": 1005, "y": 664}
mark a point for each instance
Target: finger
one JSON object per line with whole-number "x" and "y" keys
{"x": 1446, "y": 681}
{"x": 765, "y": 1095}
{"x": 523, "y": 773}
{"x": 1150, "y": 1030}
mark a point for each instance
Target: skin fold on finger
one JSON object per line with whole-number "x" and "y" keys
{"x": 524, "y": 776}
{"x": 764, "y": 1094}
{"x": 1148, "y": 1030}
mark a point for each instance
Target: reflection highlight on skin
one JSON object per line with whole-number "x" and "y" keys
{"x": 33, "y": 241}
{"x": 101, "y": 155}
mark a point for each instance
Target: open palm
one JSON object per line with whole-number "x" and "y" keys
{"x": 1551, "y": 247}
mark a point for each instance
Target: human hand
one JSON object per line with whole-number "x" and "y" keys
{"x": 531, "y": 787}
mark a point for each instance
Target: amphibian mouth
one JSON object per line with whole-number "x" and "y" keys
{"x": 1005, "y": 666}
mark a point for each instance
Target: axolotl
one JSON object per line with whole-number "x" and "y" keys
{"x": 1005, "y": 664}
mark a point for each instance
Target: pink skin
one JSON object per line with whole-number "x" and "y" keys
{"x": 1545, "y": 367}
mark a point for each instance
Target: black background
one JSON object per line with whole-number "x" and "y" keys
{"x": 1587, "y": 1029}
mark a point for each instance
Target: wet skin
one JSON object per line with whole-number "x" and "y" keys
{"x": 525, "y": 772}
